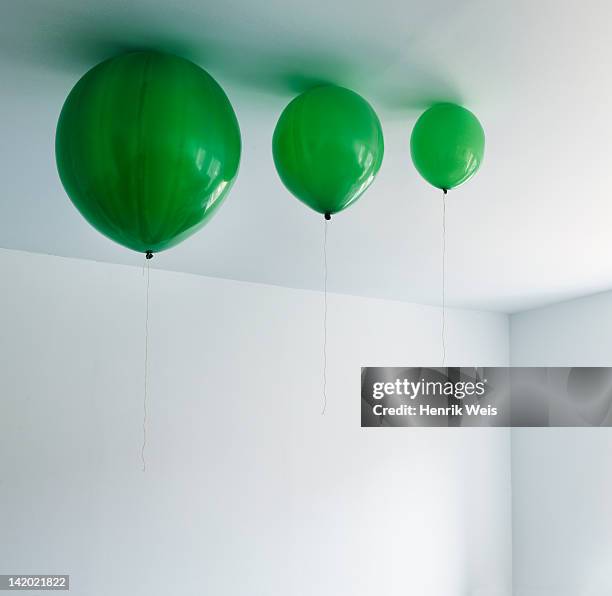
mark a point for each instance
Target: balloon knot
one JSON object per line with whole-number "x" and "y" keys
{"x": 445, "y": 190}
{"x": 149, "y": 255}
{"x": 327, "y": 215}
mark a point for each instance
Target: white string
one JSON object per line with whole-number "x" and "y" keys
{"x": 324, "y": 317}
{"x": 146, "y": 369}
{"x": 443, "y": 278}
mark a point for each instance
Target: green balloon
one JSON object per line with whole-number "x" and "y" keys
{"x": 147, "y": 146}
{"x": 328, "y": 146}
{"x": 447, "y": 145}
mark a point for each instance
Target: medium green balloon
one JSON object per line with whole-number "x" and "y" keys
{"x": 147, "y": 146}
{"x": 447, "y": 145}
{"x": 327, "y": 147}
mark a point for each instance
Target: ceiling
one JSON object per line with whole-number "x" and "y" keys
{"x": 532, "y": 227}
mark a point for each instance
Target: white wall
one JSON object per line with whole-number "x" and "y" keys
{"x": 562, "y": 477}
{"x": 248, "y": 489}
{"x": 573, "y": 333}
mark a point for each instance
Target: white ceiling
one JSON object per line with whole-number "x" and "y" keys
{"x": 532, "y": 227}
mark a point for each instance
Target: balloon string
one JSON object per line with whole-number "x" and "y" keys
{"x": 443, "y": 278}
{"x": 146, "y": 368}
{"x": 324, "y": 317}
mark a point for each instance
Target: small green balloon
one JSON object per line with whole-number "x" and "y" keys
{"x": 147, "y": 146}
{"x": 447, "y": 145}
{"x": 328, "y": 146}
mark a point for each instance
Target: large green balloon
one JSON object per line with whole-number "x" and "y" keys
{"x": 147, "y": 146}
{"x": 328, "y": 146}
{"x": 447, "y": 145}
